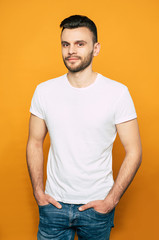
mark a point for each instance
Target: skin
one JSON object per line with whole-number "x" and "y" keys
{"x": 77, "y": 49}
{"x": 77, "y": 44}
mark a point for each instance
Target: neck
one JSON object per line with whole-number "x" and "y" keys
{"x": 82, "y": 79}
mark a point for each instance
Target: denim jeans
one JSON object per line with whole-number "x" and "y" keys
{"x": 61, "y": 224}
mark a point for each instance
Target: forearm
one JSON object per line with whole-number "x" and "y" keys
{"x": 35, "y": 162}
{"x": 125, "y": 176}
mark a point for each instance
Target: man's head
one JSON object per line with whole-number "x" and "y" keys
{"x": 79, "y": 42}
{"x": 77, "y": 21}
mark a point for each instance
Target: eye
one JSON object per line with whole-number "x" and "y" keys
{"x": 64, "y": 45}
{"x": 80, "y": 44}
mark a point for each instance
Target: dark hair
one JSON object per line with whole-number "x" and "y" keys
{"x": 76, "y": 21}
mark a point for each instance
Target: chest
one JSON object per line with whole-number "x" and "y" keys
{"x": 93, "y": 111}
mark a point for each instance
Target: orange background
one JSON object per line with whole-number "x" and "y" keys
{"x": 30, "y": 53}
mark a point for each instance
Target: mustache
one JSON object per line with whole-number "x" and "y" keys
{"x": 67, "y": 58}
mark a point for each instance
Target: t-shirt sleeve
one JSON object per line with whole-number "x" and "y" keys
{"x": 36, "y": 105}
{"x": 124, "y": 108}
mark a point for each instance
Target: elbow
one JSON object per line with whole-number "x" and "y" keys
{"x": 135, "y": 155}
{"x": 34, "y": 144}
{"x": 140, "y": 154}
{"x": 33, "y": 147}
{"x": 140, "y": 157}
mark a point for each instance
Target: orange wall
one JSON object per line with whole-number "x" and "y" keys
{"x": 30, "y": 54}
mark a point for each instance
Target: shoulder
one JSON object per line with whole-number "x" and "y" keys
{"x": 50, "y": 84}
{"x": 111, "y": 83}
{"x": 112, "y": 86}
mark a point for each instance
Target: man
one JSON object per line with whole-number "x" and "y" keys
{"x": 82, "y": 111}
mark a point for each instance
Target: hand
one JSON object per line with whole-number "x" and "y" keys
{"x": 101, "y": 206}
{"x": 44, "y": 199}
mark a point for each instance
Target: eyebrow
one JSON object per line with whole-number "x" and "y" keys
{"x": 64, "y": 42}
{"x": 78, "y": 41}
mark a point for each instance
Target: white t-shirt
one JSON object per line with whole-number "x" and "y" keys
{"x": 82, "y": 128}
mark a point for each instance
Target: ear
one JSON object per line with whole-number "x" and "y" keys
{"x": 96, "y": 49}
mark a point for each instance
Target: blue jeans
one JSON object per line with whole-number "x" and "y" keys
{"x": 61, "y": 224}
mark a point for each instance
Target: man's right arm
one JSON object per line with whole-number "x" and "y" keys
{"x": 35, "y": 160}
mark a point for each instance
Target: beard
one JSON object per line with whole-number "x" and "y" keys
{"x": 81, "y": 66}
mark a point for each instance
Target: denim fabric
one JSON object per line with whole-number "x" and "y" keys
{"x": 61, "y": 224}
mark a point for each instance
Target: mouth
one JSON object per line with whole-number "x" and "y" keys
{"x": 72, "y": 59}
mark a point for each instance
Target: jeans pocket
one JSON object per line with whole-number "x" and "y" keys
{"x": 44, "y": 206}
{"x": 104, "y": 217}
{"x": 99, "y": 213}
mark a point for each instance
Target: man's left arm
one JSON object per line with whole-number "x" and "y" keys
{"x": 130, "y": 138}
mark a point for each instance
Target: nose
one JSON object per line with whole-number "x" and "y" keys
{"x": 71, "y": 49}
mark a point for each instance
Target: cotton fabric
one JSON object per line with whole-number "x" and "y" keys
{"x": 82, "y": 128}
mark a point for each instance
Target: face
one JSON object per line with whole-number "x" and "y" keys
{"x": 78, "y": 48}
